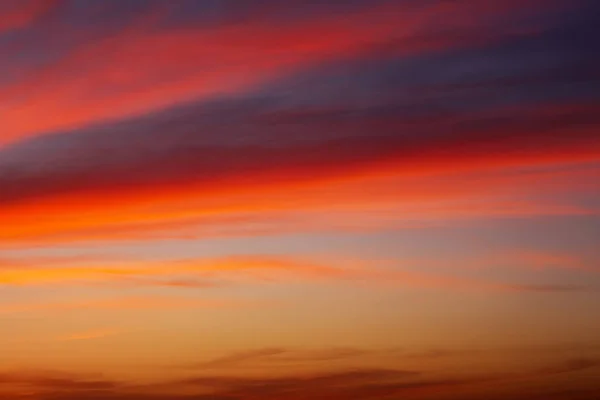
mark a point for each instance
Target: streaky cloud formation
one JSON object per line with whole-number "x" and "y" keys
{"x": 352, "y": 384}
{"x": 159, "y": 180}
{"x": 329, "y": 200}
{"x": 100, "y": 78}
{"x": 209, "y": 273}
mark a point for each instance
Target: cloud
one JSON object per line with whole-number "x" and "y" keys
{"x": 185, "y": 137}
{"x": 16, "y": 15}
{"x": 185, "y": 119}
{"x": 327, "y": 384}
{"x": 211, "y": 273}
{"x": 573, "y": 365}
{"x": 279, "y": 357}
{"x": 99, "y": 79}
{"x": 116, "y": 191}
{"x": 385, "y": 383}
{"x": 48, "y": 383}
{"x": 343, "y": 384}
{"x": 150, "y": 58}
{"x": 334, "y": 385}
{"x": 102, "y": 160}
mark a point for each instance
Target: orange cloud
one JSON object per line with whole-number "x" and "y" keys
{"x": 206, "y": 272}
{"x": 414, "y": 191}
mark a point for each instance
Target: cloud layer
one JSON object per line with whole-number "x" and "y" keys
{"x": 97, "y": 146}
{"x": 358, "y": 384}
{"x": 298, "y": 199}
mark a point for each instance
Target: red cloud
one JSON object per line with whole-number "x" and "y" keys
{"x": 143, "y": 68}
{"x": 14, "y": 15}
{"x": 335, "y": 183}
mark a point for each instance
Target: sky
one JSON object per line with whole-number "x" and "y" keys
{"x": 300, "y": 199}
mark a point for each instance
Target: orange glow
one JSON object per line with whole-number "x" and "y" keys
{"x": 299, "y": 200}
{"x": 434, "y": 190}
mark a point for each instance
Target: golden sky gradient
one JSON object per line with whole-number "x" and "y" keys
{"x": 329, "y": 200}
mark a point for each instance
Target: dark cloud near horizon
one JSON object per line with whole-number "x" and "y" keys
{"x": 278, "y": 356}
{"x": 365, "y": 384}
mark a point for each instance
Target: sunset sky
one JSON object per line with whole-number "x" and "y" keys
{"x": 299, "y": 200}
